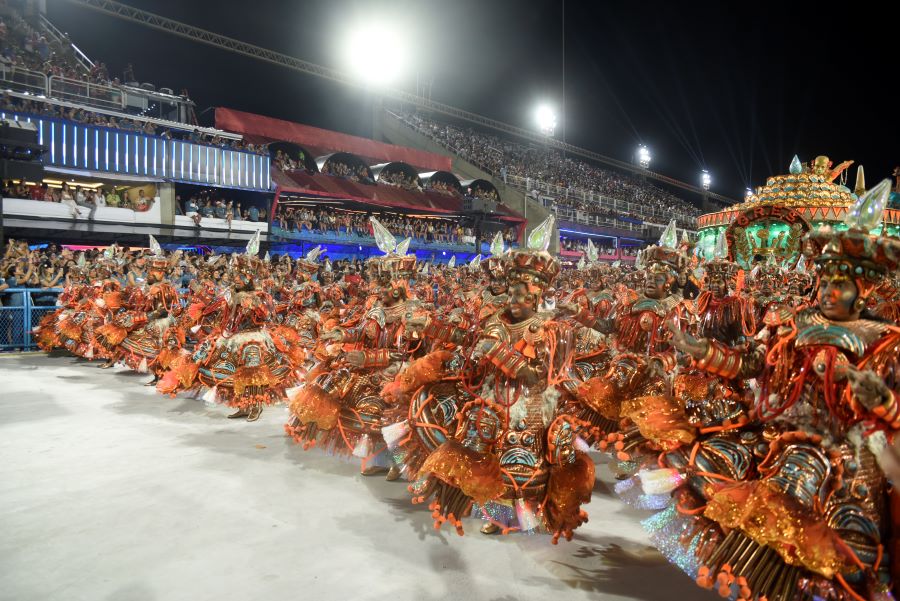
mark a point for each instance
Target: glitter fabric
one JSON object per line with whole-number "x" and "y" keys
{"x": 669, "y": 533}
{"x": 498, "y": 513}
{"x": 625, "y": 467}
{"x": 630, "y": 493}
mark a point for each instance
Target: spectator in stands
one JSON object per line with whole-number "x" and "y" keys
{"x": 533, "y": 167}
{"x": 113, "y": 199}
{"x": 67, "y": 199}
{"x": 253, "y": 213}
{"x": 229, "y": 213}
{"x": 143, "y": 202}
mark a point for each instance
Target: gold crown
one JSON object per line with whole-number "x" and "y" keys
{"x": 533, "y": 266}
{"x": 854, "y": 253}
{"x": 307, "y": 267}
{"x": 721, "y": 268}
{"x": 495, "y": 267}
{"x": 661, "y": 258}
{"x": 159, "y": 262}
{"x": 392, "y": 265}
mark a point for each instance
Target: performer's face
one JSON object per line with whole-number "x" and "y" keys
{"x": 498, "y": 287}
{"x": 718, "y": 287}
{"x": 656, "y": 285}
{"x": 522, "y": 302}
{"x": 837, "y": 298}
{"x": 242, "y": 282}
{"x": 387, "y": 296}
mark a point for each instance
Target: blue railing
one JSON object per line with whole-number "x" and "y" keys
{"x": 332, "y": 237}
{"x": 22, "y": 311}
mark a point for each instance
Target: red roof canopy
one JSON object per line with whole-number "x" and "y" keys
{"x": 323, "y": 141}
{"x": 381, "y": 195}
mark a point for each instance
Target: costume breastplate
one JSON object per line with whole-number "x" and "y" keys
{"x": 661, "y": 307}
{"x": 814, "y": 329}
{"x": 529, "y": 329}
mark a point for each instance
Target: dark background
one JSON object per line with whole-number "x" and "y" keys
{"x": 736, "y": 88}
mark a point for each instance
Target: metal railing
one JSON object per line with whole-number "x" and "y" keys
{"x": 342, "y": 237}
{"x": 149, "y": 105}
{"x": 62, "y": 38}
{"x": 18, "y": 79}
{"x": 527, "y": 185}
{"x": 564, "y": 213}
{"x": 117, "y": 113}
{"x": 85, "y": 92}
{"x": 22, "y": 311}
{"x": 561, "y": 194}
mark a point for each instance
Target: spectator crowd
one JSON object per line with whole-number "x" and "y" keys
{"x": 74, "y": 196}
{"x": 400, "y": 180}
{"x": 571, "y": 244}
{"x": 212, "y": 203}
{"x": 356, "y": 223}
{"x": 284, "y": 162}
{"x": 504, "y": 158}
{"x": 358, "y": 174}
{"x": 25, "y": 46}
{"x": 22, "y": 45}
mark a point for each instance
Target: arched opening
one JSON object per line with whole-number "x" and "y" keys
{"x": 441, "y": 181}
{"x": 397, "y": 173}
{"x": 480, "y": 188}
{"x": 288, "y": 156}
{"x": 346, "y": 165}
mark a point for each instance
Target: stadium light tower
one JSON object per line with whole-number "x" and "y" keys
{"x": 643, "y": 156}
{"x": 705, "y": 179}
{"x": 376, "y": 53}
{"x": 546, "y": 120}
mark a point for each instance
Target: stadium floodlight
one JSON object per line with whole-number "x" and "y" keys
{"x": 546, "y": 120}
{"x": 376, "y": 53}
{"x": 643, "y": 155}
{"x": 705, "y": 179}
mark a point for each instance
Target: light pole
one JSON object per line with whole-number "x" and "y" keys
{"x": 376, "y": 53}
{"x": 546, "y": 120}
{"x": 545, "y": 117}
{"x": 643, "y": 157}
{"x": 705, "y": 179}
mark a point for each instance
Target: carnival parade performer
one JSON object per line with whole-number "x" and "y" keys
{"x": 746, "y": 388}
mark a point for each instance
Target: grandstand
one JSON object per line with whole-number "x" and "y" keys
{"x": 123, "y": 160}
{"x": 141, "y": 148}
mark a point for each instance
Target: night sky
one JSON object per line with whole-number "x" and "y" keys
{"x": 736, "y": 88}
